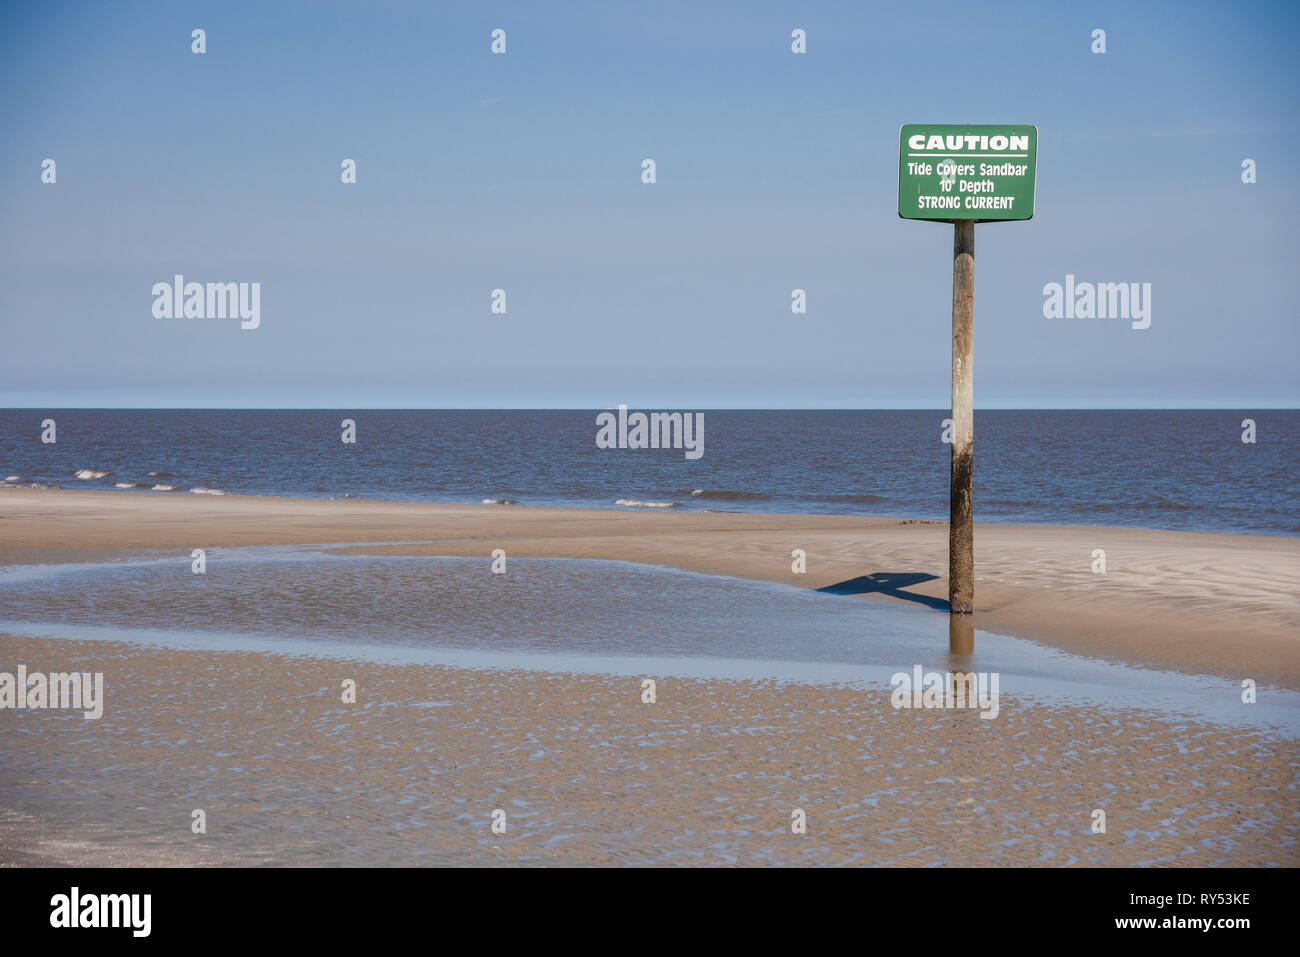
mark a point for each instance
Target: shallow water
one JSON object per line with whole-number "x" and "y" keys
{"x": 569, "y": 616}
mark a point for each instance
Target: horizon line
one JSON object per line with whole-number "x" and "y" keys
{"x": 585, "y": 408}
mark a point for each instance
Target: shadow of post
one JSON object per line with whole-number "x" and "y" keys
{"x": 891, "y": 584}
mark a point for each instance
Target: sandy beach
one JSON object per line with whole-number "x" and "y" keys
{"x": 710, "y": 773}
{"x": 588, "y": 775}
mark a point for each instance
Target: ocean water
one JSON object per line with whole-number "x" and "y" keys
{"x": 1153, "y": 469}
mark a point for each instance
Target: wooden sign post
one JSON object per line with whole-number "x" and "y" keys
{"x": 964, "y": 175}
{"x": 961, "y": 529}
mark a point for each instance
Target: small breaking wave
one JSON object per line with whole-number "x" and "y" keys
{"x": 90, "y": 474}
{"x": 161, "y": 475}
{"x": 498, "y": 501}
{"x": 637, "y": 503}
{"x": 131, "y": 485}
{"x": 730, "y": 495}
{"x": 200, "y": 490}
{"x": 164, "y": 488}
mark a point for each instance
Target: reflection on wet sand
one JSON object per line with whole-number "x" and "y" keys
{"x": 961, "y": 640}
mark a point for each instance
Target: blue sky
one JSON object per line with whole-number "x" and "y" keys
{"x": 775, "y": 171}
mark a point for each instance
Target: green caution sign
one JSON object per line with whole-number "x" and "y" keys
{"x": 980, "y": 173}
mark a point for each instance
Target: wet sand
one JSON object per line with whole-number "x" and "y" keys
{"x": 709, "y": 774}
{"x": 587, "y": 774}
